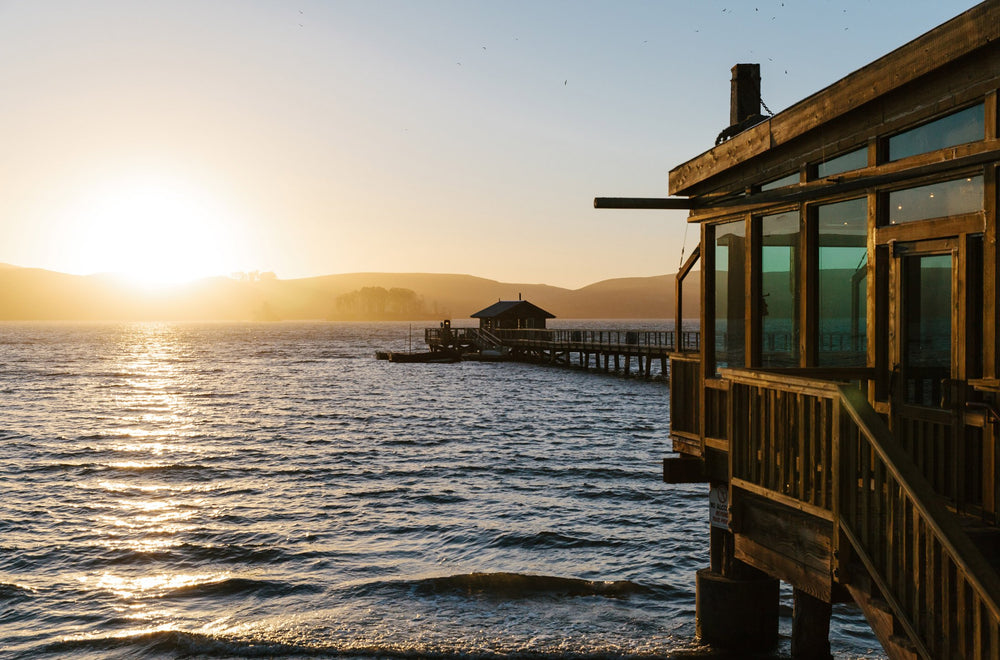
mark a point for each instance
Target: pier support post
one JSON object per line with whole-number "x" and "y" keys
{"x": 736, "y": 613}
{"x": 736, "y": 605}
{"x": 810, "y": 627}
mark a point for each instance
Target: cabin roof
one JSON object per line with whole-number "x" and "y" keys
{"x": 960, "y": 36}
{"x": 516, "y": 308}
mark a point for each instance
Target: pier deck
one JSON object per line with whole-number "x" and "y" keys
{"x": 606, "y": 350}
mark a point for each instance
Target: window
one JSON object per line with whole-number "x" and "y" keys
{"x": 852, "y": 160}
{"x": 960, "y": 127}
{"x": 843, "y": 258}
{"x": 937, "y": 200}
{"x": 789, "y": 180}
{"x": 779, "y": 290}
{"x": 730, "y": 294}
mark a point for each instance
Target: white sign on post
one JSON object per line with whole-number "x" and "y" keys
{"x": 718, "y": 505}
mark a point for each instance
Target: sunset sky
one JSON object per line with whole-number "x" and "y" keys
{"x": 188, "y": 138}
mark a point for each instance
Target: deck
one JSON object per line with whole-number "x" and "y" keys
{"x": 605, "y": 350}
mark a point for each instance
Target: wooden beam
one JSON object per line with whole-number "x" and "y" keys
{"x": 651, "y": 203}
{"x": 684, "y": 470}
{"x": 971, "y": 155}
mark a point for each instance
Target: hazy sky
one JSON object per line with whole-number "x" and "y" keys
{"x": 181, "y": 138}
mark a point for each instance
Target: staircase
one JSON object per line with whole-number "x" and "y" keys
{"x": 924, "y": 576}
{"x": 929, "y": 590}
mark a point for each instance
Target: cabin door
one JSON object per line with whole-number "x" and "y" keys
{"x": 927, "y": 353}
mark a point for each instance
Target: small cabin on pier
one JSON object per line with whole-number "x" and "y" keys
{"x": 512, "y": 315}
{"x": 844, "y": 403}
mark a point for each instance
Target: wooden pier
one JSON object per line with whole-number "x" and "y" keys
{"x": 604, "y": 350}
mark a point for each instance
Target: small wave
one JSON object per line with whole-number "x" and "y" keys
{"x": 440, "y": 498}
{"x": 241, "y": 586}
{"x": 165, "y": 468}
{"x": 233, "y": 553}
{"x": 176, "y": 643}
{"x": 510, "y": 586}
{"x": 14, "y": 593}
{"x": 547, "y": 540}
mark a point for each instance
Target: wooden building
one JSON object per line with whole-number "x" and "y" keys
{"x": 512, "y": 315}
{"x": 843, "y": 404}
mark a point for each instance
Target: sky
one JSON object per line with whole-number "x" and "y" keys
{"x": 181, "y": 139}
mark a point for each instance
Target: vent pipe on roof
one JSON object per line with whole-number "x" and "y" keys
{"x": 744, "y": 101}
{"x": 744, "y": 97}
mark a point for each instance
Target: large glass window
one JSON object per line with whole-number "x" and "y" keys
{"x": 788, "y": 180}
{"x": 960, "y": 127}
{"x": 852, "y": 160}
{"x": 842, "y": 297}
{"x": 779, "y": 290}
{"x": 730, "y": 294}
{"x": 937, "y": 200}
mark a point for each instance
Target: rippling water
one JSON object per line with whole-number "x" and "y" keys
{"x": 272, "y": 490}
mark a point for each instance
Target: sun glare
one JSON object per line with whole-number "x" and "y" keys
{"x": 152, "y": 232}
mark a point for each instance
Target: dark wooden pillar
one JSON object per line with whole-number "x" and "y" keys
{"x": 736, "y": 605}
{"x": 810, "y": 627}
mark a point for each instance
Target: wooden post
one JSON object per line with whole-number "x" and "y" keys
{"x": 810, "y": 627}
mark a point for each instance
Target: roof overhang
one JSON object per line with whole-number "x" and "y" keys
{"x": 956, "y": 38}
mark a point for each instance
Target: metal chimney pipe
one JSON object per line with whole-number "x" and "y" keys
{"x": 744, "y": 99}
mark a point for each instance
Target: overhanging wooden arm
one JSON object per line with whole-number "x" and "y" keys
{"x": 669, "y": 203}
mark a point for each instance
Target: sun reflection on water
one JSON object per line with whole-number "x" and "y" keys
{"x": 151, "y": 503}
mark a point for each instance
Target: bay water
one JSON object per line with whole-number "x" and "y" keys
{"x": 272, "y": 490}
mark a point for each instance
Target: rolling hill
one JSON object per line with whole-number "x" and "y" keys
{"x": 36, "y": 294}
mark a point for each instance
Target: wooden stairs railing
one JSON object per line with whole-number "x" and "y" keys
{"x": 940, "y": 588}
{"x": 820, "y": 447}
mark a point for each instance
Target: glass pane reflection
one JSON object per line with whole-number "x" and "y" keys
{"x": 937, "y": 200}
{"x": 843, "y": 257}
{"x": 853, "y": 160}
{"x": 927, "y": 328}
{"x": 964, "y": 126}
{"x": 779, "y": 287}
{"x": 730, "y": 294}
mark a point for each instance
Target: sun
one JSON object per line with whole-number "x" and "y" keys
{"x": 152, "y": 231}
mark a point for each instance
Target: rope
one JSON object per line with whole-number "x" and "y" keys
{"x": 683, "y": 244}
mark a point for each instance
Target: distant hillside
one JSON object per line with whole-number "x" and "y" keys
{"x": 35, "y": 294}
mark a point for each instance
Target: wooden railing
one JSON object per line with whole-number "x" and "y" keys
{"x": 607, "y": 339}
{"x": 638, "y": 340}
{"x": 938, "y": 583}
{"x": 821, "y": 447}
{"x": 783, "y": 436}
{"x": 685, "y": 402}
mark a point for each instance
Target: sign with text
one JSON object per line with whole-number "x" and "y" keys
{"x": 718, "y": 506}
